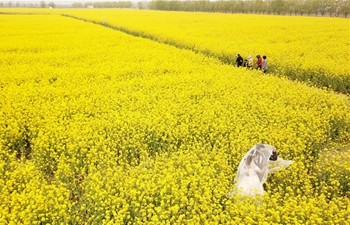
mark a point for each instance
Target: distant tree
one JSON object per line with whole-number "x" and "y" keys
{"x": 77, "y": 5}
{"x": 1, "y": 4}
{"x": 249, "y": 6}
{"x": 290, "y": 7}
{"x": 88, "y": 4}
{"x": 9, "y": 4}
{"x": 278, "y": 6}
{"x": 259, "y": 6}
{"x": 324, "y": 7}
{"x": 344, "y": 8}
{"x": 174, "y": 5}
{"x": 42, "y": 4}
{"x": 300, "y": 7}
{"x": 51, "y": 4}
{"x": 18, "y": 4}
{"x": 311, "y": 7}
{"x": 140, "y": 5}
{"x": 332, "y": 7}
{"x": 265, "y": 6}
{"x": 240, "y": 7}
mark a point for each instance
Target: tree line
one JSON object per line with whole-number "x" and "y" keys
{"x": 119, "y": 4}
{"x": 43, "y": 4}
{"x": 27, "y": 5}
{"x": 336, "y": 8}
{"x": 280, "y": 7}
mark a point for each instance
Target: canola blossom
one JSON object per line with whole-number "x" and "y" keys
{"x": 100, "y": 127}
{"x": 309, "y": 49}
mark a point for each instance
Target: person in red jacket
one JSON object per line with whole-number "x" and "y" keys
{"x": 259, "y": 62}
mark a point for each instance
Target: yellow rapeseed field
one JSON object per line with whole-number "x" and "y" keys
{"x": 100, "y": 127}
{"x": 310, "y": 49}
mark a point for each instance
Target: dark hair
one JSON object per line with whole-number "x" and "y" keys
{"x": 264, "y": 57}
{"x": 249, "y": 160}
{"x": 251, "y": 155}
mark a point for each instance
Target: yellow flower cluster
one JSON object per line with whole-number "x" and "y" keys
{"x": 99, "y": 127}
{"x": 307, "y": 49}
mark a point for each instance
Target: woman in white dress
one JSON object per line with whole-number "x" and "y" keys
{"x": 249, "y": 184}
{"x": 252, "y": 171}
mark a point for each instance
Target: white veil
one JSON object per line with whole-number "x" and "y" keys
{"x": 279, "y": 164}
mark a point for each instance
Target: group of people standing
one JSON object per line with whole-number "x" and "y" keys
{"x": 261, "y": 62}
